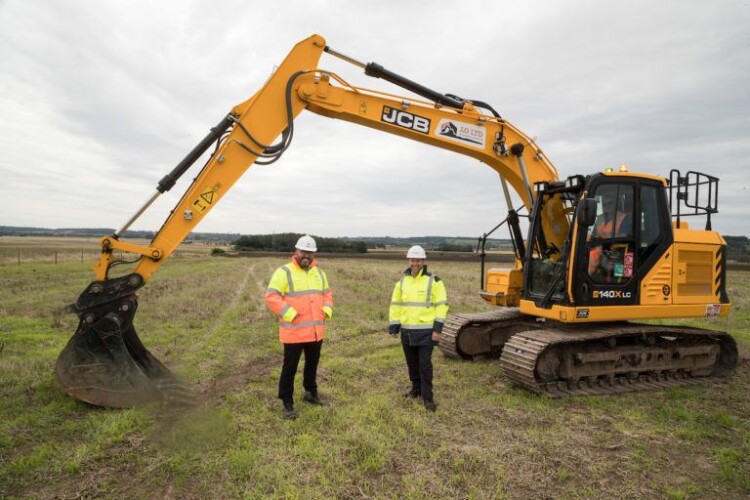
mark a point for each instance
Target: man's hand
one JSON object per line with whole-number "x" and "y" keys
{"x": 436, "y": 336}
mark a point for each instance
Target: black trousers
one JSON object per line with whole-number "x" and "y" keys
{"x": 292, "y": 354}
{"x": 419, "y": 361}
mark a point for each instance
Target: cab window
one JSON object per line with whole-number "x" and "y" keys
{"x": 610, "y": 243}
{"x": 652, "y": 225}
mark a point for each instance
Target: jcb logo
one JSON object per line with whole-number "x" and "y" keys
{"x": 406, "y": 120}
{"x": 611, "y": 294}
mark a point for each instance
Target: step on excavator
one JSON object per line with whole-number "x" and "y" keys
{"x": 603, "y": 251}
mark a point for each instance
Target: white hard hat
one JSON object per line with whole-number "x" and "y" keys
{"x": 416, "y": 252}
{"x": 306, "y": 243}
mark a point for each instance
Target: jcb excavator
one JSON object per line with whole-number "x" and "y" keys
{"x": 564, "y": 321}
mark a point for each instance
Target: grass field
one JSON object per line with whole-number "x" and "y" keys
{"x": 205, "y": 318}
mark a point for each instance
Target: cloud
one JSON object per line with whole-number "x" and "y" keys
{"x": 100, "y": 99}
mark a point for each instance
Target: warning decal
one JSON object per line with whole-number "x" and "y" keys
{"x": 206, "y": 198}
{"x": 713, "y": 310}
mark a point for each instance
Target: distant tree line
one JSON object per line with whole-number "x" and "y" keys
{"x": 447, "y": 246}
{"x": 737, "y": 248}
{"x": 284, "y": 242}
{"x": 441, "y": 243}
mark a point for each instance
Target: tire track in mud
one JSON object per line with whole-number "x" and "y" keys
{"x": 235, "y": 300}
{"x": 213, "y": 389}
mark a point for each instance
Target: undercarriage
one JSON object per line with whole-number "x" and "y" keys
{"x": 596, "y": 358}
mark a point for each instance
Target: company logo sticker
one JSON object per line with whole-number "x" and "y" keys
{"x": 666, "y": 290}
{"x": 582, "y": 313}
{"x": 406, "y": 120}
{"x": 464, "y": 133}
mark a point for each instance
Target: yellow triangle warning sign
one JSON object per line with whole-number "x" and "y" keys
{"x": 208, "y": 196}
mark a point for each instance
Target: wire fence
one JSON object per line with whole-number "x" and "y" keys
{"x": 22, "y": 256}
{"x": 28, "y": 256}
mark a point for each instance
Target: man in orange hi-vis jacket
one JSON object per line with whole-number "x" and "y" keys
{"x": 302, "y": 299}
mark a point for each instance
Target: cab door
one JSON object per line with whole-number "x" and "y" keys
{"x": 631, "y": 231}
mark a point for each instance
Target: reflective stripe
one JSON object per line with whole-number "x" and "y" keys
{"x": 413, "y": 304}
{"x": 306, "y": 292}
{"x": 394, "y": 323}
{"x": 429, "y": 290}
{"x": 292, "y": 293}
{"x": 416, "y": 327}
{"x": 327, "y": 304}
{"x": 284, "y": 310}
{"x": 289, "y": 279}
{"x": 440, "y": 303}
{"x": 438, "y": 320}
{"x": 323, "y": 279}
{"x": 304, "y": 324}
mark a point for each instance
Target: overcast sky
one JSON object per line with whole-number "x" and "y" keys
{"x": 99, "y": 99}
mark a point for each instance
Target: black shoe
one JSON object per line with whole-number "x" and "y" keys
{"x": 430, "y": 406}
{"x": 289, "y": 412}
{"x": 412, "y": 393}
{"x": 312, "y": 398}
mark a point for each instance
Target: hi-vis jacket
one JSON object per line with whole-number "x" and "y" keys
{"x": 302, "y": 300}
{"x": 603, "y": 228}
{"x": 419, "y": 306}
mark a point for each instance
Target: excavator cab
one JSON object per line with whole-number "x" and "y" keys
{"x": 631, "y": 233}
{"x": 621, "y": 228}
{"x": 605, "y": 248}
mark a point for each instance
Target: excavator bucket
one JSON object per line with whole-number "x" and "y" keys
{"x": 105, "y": 363}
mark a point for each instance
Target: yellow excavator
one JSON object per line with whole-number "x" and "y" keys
{"x": 564, "y": 321}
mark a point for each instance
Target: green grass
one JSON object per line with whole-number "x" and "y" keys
{"x": 205, "y": 319}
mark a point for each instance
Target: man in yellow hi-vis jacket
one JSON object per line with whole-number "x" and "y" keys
{"x": 419, "y": 305}
{"x": 302, "y": 299}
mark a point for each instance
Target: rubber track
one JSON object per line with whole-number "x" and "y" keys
{"x": 524, "y": 349}
{"x": 455, "y": 325}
